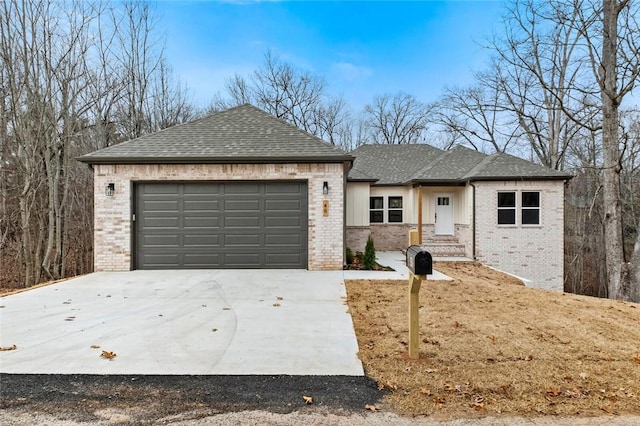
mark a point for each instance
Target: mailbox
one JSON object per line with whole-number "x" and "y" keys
{"x": 419, "y": 261}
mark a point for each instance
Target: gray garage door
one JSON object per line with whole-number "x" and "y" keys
{"x": 221, "y": 225}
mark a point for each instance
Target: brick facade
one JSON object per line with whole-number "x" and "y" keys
{"x": 535, "y": 253}
{"x": 113, "y": 214}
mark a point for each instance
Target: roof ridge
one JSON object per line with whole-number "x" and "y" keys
{"x": 429, "y": 165}
{"x": 481, "y": 165}
{"x": 291, "y": 126}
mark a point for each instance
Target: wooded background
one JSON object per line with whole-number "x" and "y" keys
{"x": 76, "y": 76}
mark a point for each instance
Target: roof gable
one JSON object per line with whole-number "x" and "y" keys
{"x": 240, "y": 134}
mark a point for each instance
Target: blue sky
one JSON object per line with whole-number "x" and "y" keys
{"x": 362, "y": 49}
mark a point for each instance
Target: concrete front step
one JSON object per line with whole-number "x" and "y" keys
{"x": 444, "y": 249}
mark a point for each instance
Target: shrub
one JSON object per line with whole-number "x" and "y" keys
{"x": 369, "y": 258}
{"x": 350, "y": 256}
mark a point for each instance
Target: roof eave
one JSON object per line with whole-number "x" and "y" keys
{"x": 210, "y": 160}
{"x": 442, "y": 182}
{"x": 503, "y": 178}
{"x": 361, "y": 180}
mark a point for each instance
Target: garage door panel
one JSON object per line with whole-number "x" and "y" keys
{"x": 242, "y": 260}
{"x": 162, "y": 188}
{"x": 242, "y": 205}
{"x": 283, "y": 240}
{"x": 160, "y": 222}
{"x": 282, "y": 204}
{"x": 242, "y": 222}
{"x": 161, "y": 206}
{"x": 250, "y": 240}
{"x": 162, "y": 261}
{"x": 285, "y": 221}
{"x": 161, "y": 240}
{"x": 243, "y": 188}
{"x": 201, "y": 205}
{"x": 283, "y": 188}
{"x": 198, "y": 189}
{"x": 200, "y": 240}
{"x": 282, "y": 258}
{"x": 201, "y": 260}
{"x": 191, "y": 222}
{"x": 221, "y": 225}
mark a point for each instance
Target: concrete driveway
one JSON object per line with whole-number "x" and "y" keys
{"x": 203, "y": 322}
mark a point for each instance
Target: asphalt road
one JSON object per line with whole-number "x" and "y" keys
{"x": 79, "y": 397}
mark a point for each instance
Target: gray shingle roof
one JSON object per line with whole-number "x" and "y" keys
{"x": 404, "y": 164}
{"x": 391, "y": 164}
{"x": 241, "y": 134}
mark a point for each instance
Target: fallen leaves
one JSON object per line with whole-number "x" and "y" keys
{"x": 388, "y": 385}
{"x": 636, "y": 359}
{"x": 8, "y": 348}
{"x": 478, "y": 402}
{"x": 552, "y": 391}
{"x": 108, "y": 355}
{"x": 307, "y": 399}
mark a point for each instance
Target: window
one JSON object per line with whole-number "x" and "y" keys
{"x": 443, "y": 201}
{"x": 528, "y": 202}
{"x": 506, "y": 208}
{"x": 530, "y": 208}
{"x": 376, "y": 209}
{"x": 395, "y": 210}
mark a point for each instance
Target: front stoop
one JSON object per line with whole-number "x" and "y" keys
{"x": 444, "y": 246}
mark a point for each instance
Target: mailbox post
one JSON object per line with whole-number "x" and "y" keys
{"x": 420, "y": 264}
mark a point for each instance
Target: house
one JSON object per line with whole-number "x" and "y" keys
{"x": 242, "y": 189}
{"x": 501, "y": 210}
{"x": 236, "y": 189}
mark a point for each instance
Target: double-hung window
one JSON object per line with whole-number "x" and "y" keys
{"x": 395, "y": 210}
{"x": 530, "y": 208}
{"x": 376, "y": 209}
{"x": 506, "y": 208}
{"x": 525, "y": 202}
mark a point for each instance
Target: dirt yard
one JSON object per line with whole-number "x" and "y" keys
{"x": 492, "y": 347}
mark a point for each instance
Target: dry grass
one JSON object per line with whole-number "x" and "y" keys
{"x": 491, "y": 346}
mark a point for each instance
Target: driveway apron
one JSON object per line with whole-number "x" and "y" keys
{"x": 201, "y": 322}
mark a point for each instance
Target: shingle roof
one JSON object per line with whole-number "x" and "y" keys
{"x": 404, "y": 164}
{"x": 241, "y": 134}
{"x": 391, "y": 164}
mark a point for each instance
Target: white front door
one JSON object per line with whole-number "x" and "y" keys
{"x": 444, "y": 214}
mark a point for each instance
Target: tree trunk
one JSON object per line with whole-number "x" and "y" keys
{"x": 618, "y": 277}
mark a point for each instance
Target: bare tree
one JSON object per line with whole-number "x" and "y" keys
{"x": 62, "y": 70}
{"x": 610, "y": 30}
{"x": 477, "y": 116}
{"x": 397, "y": 119}
{"x": 290, "y": 94}
{"x": 170, "y": 103}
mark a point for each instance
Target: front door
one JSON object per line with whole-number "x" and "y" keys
{"x": 444, "y": 214}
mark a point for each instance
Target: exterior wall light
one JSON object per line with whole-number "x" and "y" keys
{"x": 325, "y": 187}
{"x": 110, "y": 189}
